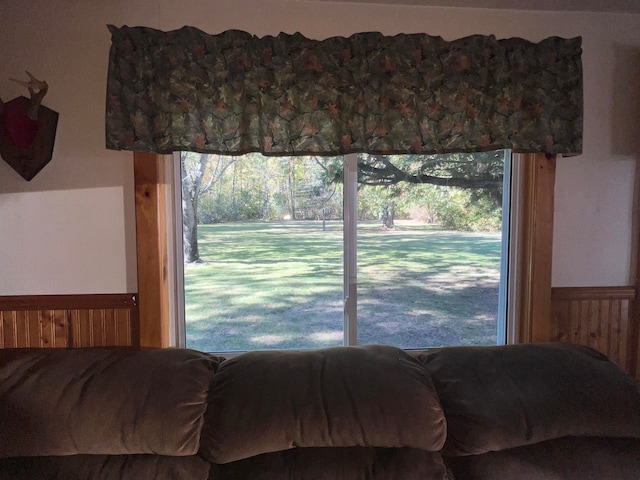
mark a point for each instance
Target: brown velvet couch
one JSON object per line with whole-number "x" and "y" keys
{"x": 548, "y": 411}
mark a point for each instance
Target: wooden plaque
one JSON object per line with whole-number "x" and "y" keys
{"x": 29, "y": 160}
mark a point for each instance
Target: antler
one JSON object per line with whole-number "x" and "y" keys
{"x": 37, "y": 90}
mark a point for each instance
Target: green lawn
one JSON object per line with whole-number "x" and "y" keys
{"x": 266, "y": 285}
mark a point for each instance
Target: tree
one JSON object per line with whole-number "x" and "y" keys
{"x": 291, "y": 186}
{"x": 464, "y": 170}
{"x": 481, "y": 173}
{"x": 193, "y": 172}
{"x": 316, "y": 192}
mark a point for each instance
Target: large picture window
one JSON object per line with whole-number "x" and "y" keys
{"x": 309, "y": 252}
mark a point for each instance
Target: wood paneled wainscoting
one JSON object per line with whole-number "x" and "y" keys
{"x": 60, "y": 321}
{"x": 600, "y": 317}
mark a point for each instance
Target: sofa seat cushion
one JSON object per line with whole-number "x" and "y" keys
{"x": 376, "y": 396}
{"x": 105, "y": 467}
{"x": 569, "y": 458}
{"x": 338, "y": 463}
{"x": 104, "y": 401}
{"x": 501, "y": 397}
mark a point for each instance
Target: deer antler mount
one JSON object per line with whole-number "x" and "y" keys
{"x": 27, "y": 129}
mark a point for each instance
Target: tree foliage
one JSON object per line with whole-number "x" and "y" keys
{"x": 460, "y": 191}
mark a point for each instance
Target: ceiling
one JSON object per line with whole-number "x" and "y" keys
{"x": 613, "y": 6}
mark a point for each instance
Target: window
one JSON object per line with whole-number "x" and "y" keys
{"x": 129, "y": 117}
{"x": 289, "y": 258}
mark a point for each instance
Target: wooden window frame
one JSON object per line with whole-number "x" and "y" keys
{"x": 152, "y": 248}
{"x": 535, "y": 245}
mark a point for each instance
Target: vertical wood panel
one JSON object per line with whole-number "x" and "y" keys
{"x": 598, "y": 317}
{"x": 96, "y": 328}
{"x": 44, "y": 330}
{"x": 19, "y": 329}
{"x": 123, "y": 328}
{"x": 60, "y": 328}
{"x": 59, "y": 321}
{"x": 586, "y": 309}
{"x": 6, "y": 328}
{"x": 613, "y": 328}
{"x": 83, "y": 326}
{"x": 607, "y": 337}
{"x": 111, "y": 333}
{"x": 32, "y": 320}
{"x": 635, "y": 267}
{"x": 637, "y": 350}
{"x": 625, "y": 333}
{"x": 152, "y": 249}
{"x": 614, "y": 345}
{"x": 534, "y": 282}
{"x": 32, "y": 328}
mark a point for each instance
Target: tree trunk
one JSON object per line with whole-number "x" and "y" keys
{"x": 191, "y": 190}
{"x": 265, "y": 190}
{"x": 388, "y": 214}
{"x": 234, "y": 203}
{"x": 292, "y": 188}
{"x": 190, "y": 230}
{"x": 324, "y": 219}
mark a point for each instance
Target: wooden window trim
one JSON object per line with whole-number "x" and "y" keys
{"x": 635, "y": 311}
{"x": 533, "y": 302}
{"x": 152, "y": 248}
{"x": 533, "y": 283}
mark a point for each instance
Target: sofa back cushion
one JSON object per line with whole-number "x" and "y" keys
{"x": 375, "y": 396}
{"x": 500, "y": 397}
{"x": 103, "y": 401}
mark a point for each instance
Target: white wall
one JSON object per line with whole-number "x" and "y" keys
{"x": 72, "y": 228}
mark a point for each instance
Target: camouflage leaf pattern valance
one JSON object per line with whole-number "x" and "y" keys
{"x": 234, "y": 93}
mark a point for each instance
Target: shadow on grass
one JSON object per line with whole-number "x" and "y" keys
{"x": 279, "y": 285}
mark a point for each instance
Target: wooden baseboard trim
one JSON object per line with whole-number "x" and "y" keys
{"x": 589, "y": 293}
{"x": 53, "y": 302}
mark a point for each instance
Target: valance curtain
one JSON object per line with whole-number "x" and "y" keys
{"x": 234, "y": 93}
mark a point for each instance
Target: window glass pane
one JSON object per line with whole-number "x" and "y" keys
{"x": 268, "y": 270}
{"x": 264, "y": 250}
{"x": 429, "y": 255}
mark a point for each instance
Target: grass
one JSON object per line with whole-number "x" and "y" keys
{"x": 265, "y": 285}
